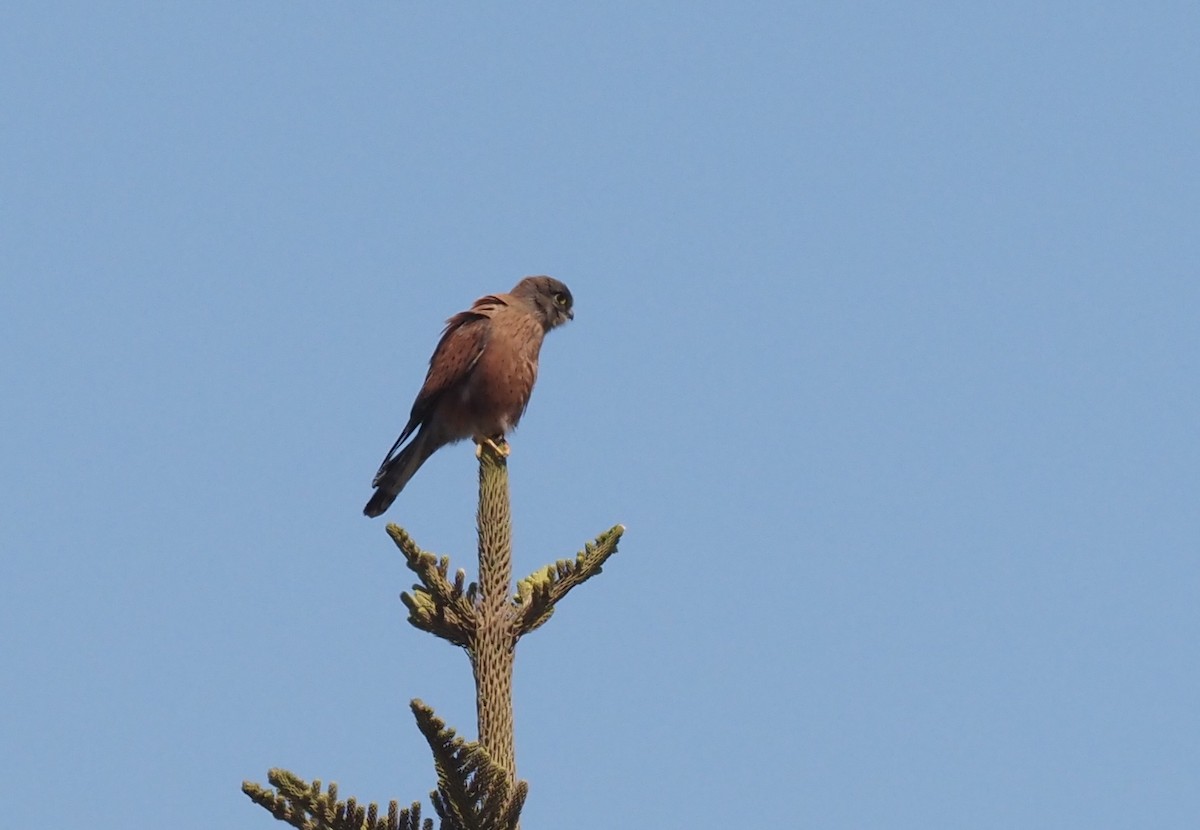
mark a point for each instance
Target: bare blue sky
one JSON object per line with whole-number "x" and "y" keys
{"x": 886, "y": 352}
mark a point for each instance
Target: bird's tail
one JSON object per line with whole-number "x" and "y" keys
{"x": 395, "y": 473}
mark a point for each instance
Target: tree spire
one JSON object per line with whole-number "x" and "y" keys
{"x": 477, "y": 785}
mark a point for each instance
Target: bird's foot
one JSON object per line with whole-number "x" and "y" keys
{"x": 498, "y": 445}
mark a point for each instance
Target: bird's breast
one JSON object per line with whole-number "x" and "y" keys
{"x": 502, "y": 381}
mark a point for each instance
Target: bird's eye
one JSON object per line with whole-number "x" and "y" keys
{"x": 560, "y": 298}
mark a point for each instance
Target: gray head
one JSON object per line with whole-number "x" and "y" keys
{"x": 550, "y": 298}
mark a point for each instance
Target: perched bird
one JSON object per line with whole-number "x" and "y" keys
{"x": 480, "y": 378}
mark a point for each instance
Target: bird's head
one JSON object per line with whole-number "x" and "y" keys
{"x": 550, "y": 298}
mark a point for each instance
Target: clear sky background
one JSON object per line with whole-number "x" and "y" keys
{"x": 886, "y": 352}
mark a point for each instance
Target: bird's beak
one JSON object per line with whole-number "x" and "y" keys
{"x": 571, "y": 314}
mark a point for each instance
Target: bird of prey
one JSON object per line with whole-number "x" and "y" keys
{"x": 480, "y": 378}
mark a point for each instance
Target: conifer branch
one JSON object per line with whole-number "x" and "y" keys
{"x": 306, "y": 807}
{"x": 474, "y": 792}
{"x": 538, "y": 593}
{"x": 436, "y": 605}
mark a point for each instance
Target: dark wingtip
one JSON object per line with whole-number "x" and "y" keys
{"x": 379, "y": 503}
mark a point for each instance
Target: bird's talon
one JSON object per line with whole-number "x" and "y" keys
{"x": 501, "y": 449}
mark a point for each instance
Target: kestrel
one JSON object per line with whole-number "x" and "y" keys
{"x": 480, "y": 378}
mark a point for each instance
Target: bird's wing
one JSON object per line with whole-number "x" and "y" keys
{"x": 462, "y": 344}
{"x": 460, "y": 348}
